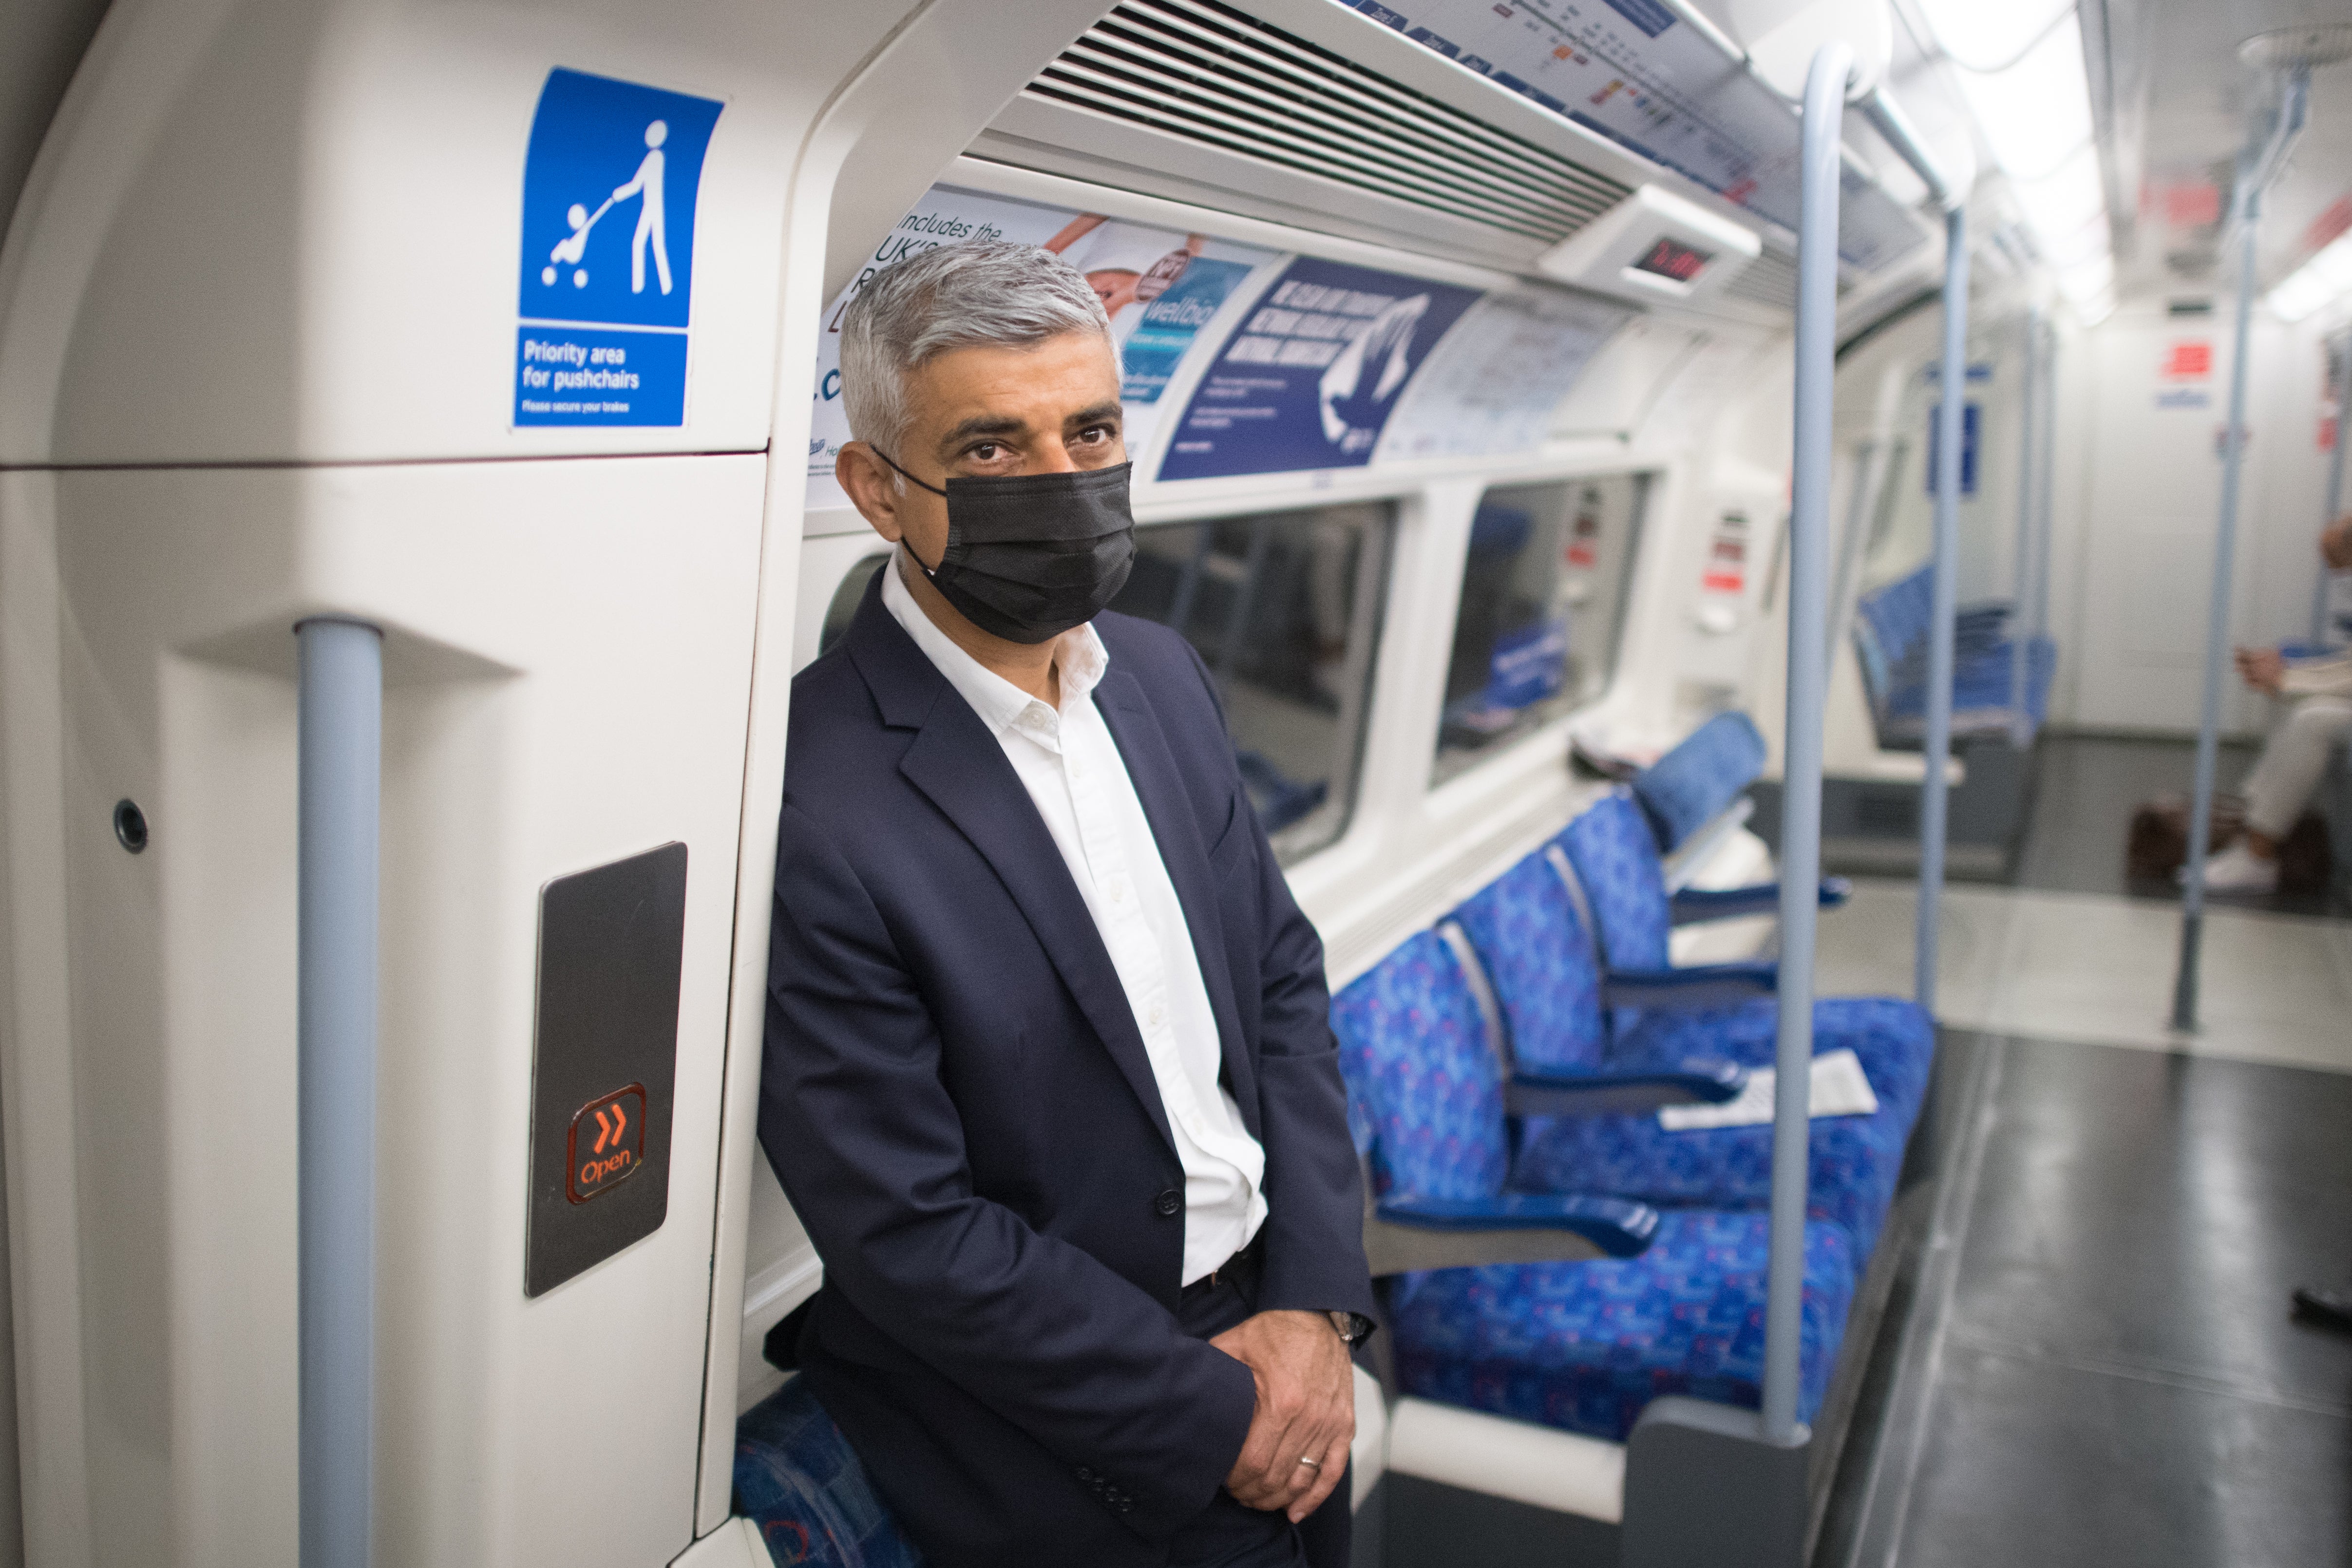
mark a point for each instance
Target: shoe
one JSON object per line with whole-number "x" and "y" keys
{"x": 2331, "y": 1308}
{"x": 2237, "y": 870}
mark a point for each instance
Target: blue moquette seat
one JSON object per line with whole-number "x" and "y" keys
{"x": 1890, "y": 635}
{"x": 1541, "y": 963}
{"x": 1718, "y": 1009}
{"x": 1700, "y": 779}
{"x": 798, "y": 1481}
{"x": 1580, "y": 1346}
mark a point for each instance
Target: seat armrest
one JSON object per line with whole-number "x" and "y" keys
{"x": 1689, "y": 987}
{"x": 1624, "y": 1088}
{"x": 1695, "y": 905}
{"x": 1403, "y": 1232}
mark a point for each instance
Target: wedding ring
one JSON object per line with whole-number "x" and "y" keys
{"x": 1312, "y": 1464}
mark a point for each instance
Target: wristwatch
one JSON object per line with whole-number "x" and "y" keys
{"x": 1354, "y": 1327}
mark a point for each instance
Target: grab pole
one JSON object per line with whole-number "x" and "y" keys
{"x": 2021, "y": 639}
{"x": 2045, "y": 488}
{"x": 1935, "y": 789}
{"x": 2252, "y": 175}
{"x": 340, "y": 710}
{"x": 2334, "y": 508}
{"x": 1800, "y": 828}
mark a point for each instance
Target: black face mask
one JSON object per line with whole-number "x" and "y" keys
{"x": 1031, "y": 555}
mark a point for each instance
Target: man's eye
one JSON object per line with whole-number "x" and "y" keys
{"x": 986, "y": 451}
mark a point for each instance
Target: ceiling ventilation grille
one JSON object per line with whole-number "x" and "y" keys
{"x": 1214, "y": 76}
{"x": 1771, "y": 280}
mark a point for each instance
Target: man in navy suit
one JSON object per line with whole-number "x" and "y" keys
{"x": 1049, "y": 1073}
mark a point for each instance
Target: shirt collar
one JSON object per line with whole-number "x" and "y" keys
{"x": 1000, "y": 704}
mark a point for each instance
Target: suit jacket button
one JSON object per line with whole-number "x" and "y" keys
{"x": 1168, "y": 1203}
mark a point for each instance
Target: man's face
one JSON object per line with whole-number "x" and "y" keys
{"x": 987, "y": 413}
{"x": 2335, "y": 544}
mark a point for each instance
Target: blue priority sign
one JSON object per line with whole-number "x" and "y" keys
{"x": 609, "y": 185}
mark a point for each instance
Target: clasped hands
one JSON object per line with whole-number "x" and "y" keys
{"x": 1305, "y": 1409}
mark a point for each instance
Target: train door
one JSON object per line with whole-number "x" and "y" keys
{"x": 462, "y": 330}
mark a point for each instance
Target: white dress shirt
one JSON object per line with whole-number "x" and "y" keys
{"x": 1073, "y": 771}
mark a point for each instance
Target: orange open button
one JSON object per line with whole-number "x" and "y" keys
{"x": 608, "y": 1141}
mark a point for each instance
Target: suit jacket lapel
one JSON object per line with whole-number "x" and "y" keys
{"x": 1176, "y": 828}
{"x": 959, "y": 767}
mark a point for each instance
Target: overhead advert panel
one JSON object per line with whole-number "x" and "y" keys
{"x": 1161, "y": 285}
{"x": 1236, "y": 359}
{"x": 1493, "y": 385}
{"x": 1310, "y": 382}
{"x": 1632, "y": 71}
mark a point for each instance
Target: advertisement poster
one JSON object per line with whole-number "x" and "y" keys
{"x": 1492, "y": 384}
{"x": 1310, "y": 379}
{"x": 1634, "y": 72}
{"x": 1160, "y": 286}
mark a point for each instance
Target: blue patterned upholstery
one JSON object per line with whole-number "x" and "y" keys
{"x": 1421, "y": 1074}
{"x": 1894, "y": 1038}
{"x": 1695, "y": 782}
{"x": 1581, "y": 1346}
{"x": 1545, "y": 975}
{"x": 797, "y": 1479}
{"x": 1545, "y": 972}
{"x": 1851, "y": 1176}
{"x": 1616, "y": 859}
{"x": 1890, "y": 634}
{"x": 1584, "y": 1347}
{"x": 1617, "y": 863}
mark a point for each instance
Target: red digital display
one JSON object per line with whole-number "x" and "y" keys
{"x": 1672, "y": 258}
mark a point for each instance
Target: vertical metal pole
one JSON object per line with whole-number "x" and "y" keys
{"x": 2334, "y": 508}
{"x": 2217, "y": 620}
{"x": 2047, "y": 487}
{"x": 1849, "y": 552}
{"x": 1934, "y": 789}
{"x": 1801, "y": 826}
{"x": 2020, "y": 639}
{"x": 340, "y": 708}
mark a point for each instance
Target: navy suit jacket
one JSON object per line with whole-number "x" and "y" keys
{"x": 957, "y": 1100}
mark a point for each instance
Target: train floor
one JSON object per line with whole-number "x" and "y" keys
{"x": 2090, "y": 1356}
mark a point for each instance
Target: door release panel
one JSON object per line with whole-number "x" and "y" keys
{"x": 611, "y": 941}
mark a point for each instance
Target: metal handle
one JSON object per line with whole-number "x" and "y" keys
{"x": 2253, "y": 174}
{"x": 1800, "y": 827}
{"x": 2028, "y": 421}
{"x": 2334, "y": 507}
{"x": 1950, "y": 430}
{"x": 340, "y": 716}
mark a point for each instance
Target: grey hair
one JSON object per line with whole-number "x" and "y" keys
{"x": 981, "y": 293}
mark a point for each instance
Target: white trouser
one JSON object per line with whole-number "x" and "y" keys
{"x": 2292, "y": 761}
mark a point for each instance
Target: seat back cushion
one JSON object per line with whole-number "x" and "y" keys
{"x": 1616, "y": 859}
{"x": 1545, "y": 969}
{"x": 797, "y": 1478}
{"x": 1422, "y": 1074}
{"x": 1695, "y": 782}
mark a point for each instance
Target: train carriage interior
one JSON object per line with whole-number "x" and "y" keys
{"x": 1771, "y": 567}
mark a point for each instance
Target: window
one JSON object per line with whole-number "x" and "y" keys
{"x": 1543, "y": 600}
{"x": 1284, "y": 609}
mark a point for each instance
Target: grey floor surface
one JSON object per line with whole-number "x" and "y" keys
{"x": 2108, "y": 1371}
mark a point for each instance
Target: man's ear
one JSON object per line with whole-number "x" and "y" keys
{"x": 871, "y": 487}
